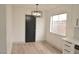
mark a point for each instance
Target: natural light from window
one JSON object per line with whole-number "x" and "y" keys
{"x": 58, "y": 24}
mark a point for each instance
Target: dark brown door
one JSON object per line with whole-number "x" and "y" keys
{"x": 30, "y": 26}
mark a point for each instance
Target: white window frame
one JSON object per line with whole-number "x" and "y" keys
{"x": 51, "y": 24}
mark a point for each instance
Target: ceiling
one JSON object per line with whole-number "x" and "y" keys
{"x": 46, "y": 7}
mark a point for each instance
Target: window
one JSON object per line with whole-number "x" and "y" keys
{"x": 58, "y": 24}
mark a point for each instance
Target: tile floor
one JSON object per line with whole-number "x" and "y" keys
{"x": 34, "y": 48}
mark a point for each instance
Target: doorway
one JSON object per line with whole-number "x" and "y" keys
{"x": 30, "y": 28}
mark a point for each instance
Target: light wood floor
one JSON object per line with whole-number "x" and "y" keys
{"x": 34, "y": 48}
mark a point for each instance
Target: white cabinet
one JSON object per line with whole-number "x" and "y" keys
{"x": 69, "y": 43}
{"x": 68, "y": 47}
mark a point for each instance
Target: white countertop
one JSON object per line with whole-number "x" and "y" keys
{"x": 73, "y": 40}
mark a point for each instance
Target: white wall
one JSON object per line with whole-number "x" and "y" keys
{"x": 40, "y": 29}
{"x": 3, "y": 43}
{"x": 19, "y": 13}
{"x": 9, "y": 32}
{"x": 72, "y": 11}
{"x": 5, "y": 28}
{"x": 18, "y": 24}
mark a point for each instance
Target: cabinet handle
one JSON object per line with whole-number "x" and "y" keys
{"x": 66, "y": 50}
{"x": 67, "y": 45}
{"x": 69, "y": 42}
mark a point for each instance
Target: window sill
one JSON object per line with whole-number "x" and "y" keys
{"x": 58, "y": 34}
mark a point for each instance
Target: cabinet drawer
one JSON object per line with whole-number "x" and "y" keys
{"x": 65, "y": 51}
{"x": 69, "y": 44}
{"x": 68, "y": 47}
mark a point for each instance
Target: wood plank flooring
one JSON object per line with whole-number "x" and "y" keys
{"x": 34, "y": 48}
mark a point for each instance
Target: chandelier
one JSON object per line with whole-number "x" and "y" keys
{"x": 37, "y": 13}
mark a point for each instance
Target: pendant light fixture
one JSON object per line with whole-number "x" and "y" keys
{"x": 37, "y": 12}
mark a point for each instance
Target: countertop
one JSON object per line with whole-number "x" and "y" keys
{"x": 73, "y": 40}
